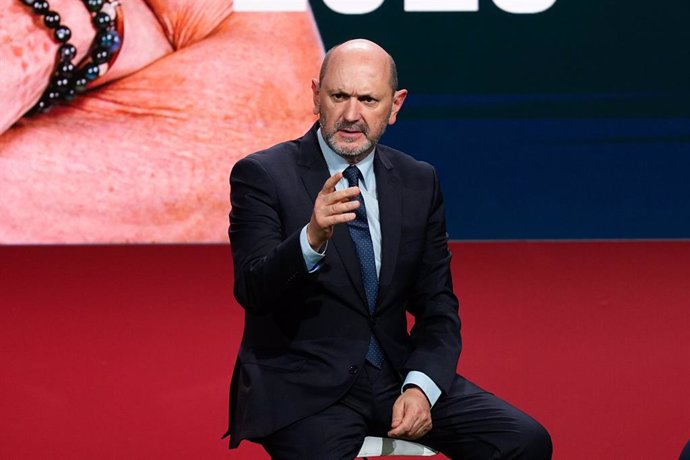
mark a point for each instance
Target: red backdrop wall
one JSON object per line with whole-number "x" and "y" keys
{"x": 116, "y": 352}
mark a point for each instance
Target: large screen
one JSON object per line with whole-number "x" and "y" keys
{"x": 546, "y": 119}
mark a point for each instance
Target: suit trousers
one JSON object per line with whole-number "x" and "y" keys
{"x": 468, "y": 423}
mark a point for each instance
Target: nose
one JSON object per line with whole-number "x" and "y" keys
{"x": 352, "y": 110}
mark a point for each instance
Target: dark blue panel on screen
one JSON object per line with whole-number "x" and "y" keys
{"x": 560, "y": 178}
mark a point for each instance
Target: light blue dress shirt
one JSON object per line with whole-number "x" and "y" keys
{"x": 367, "y": 186}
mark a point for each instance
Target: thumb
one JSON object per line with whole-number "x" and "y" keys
{"x": 398, "y": 413}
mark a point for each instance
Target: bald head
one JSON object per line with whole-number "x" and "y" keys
{"x": 365, "y": 49}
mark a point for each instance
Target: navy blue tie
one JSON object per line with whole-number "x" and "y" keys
{"x": 359, "y": 231}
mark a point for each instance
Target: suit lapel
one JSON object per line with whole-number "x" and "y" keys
{"x": 388, "y": 188}
{"x": 314, "y": 174}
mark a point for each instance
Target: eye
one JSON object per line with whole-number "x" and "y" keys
{"x": 339, "y": 97}
{"x": 368, "y": 100}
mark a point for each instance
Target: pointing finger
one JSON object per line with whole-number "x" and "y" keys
{"x": 329, "y": 185}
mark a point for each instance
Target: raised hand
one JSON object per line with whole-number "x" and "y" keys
{"x": 331, "y": 207}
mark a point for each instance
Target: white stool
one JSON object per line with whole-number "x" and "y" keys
{"x": 374, "y": 446}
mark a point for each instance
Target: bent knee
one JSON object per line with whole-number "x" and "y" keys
{"x": 535, "y": 441}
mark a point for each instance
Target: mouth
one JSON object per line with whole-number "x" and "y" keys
{"x": 350, "y": 133}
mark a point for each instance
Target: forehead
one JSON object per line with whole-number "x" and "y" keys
{"x": 357, "y": 72}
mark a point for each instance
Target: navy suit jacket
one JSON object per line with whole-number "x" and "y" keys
{"x": 306, "y": 334}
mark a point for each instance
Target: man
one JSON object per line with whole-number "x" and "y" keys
{"x": 326, "y": 268}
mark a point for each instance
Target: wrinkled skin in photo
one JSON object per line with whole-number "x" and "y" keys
{"x": 145, "y": 156}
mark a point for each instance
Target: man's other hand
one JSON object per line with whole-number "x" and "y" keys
{"x": 411, "y": 415}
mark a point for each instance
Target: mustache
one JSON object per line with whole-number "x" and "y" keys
{"x": 352, "y": 126}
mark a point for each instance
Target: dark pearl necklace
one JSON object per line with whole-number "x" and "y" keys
{"x": 68, "y": 79}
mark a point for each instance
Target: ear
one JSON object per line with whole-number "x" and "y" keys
{"x": 315, "y": 95}
{"x": 398, "y": 99}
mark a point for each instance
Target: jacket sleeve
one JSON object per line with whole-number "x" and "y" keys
{"x": 435, "y": 335}
{"x": 268, "y": 262}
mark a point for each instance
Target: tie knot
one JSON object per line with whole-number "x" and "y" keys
{"x": 352, "y": 174}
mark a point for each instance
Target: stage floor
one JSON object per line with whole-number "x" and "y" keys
{"x": 125, "y": 352}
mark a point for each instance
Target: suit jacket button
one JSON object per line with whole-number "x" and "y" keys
{"x": 353, "y": 370}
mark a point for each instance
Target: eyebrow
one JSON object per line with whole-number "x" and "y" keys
{"x": 359, "y": 96}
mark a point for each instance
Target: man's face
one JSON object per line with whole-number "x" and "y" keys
{"x": 355, "y": 102}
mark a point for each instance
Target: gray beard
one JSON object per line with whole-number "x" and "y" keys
{"x": 364, "y": 149}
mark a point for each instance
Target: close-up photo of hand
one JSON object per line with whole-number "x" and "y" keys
{"x": 139, "y": 155}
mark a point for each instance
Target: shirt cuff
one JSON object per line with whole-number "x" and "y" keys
{"x": 421, "y": 380}
{"x": 311, "y": 258}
